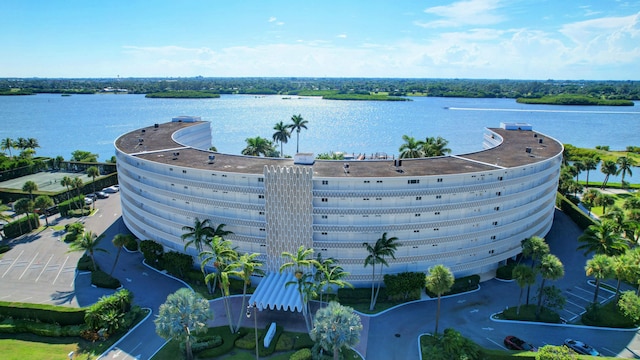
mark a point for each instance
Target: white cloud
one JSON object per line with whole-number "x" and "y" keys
{"x": 342, "y": 36}
{"x": 272, "y": 19}
{"x": 461, "y": 13}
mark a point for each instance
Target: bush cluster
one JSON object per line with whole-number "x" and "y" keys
{"x": 21, "y": 226}
{"x": 43, "y": 313}
{"x": 101, "y": 279}
{"x": 11, "y": 326}
{"x": 404, "y": 286}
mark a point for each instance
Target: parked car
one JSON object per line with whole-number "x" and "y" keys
{"x": 111, "y": 189}
{"x": 102, "y": 195}
{"x": 88, "y": 201}
{"x": 580, "y": 347}
{"x": 91, "y": 196}
{"x": 515, "y": 343}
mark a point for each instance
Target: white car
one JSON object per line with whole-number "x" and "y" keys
{"x": 111, "y": 189}
{"x": 88, "y": 201}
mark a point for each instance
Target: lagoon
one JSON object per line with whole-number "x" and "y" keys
{"x": 63, "y": 124}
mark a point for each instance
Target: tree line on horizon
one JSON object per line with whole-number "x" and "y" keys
{"x": 477, "y": 88}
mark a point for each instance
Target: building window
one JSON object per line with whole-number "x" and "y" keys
{"x": 262, "y": 229}
{"x": 170, "y": 169}
{"x": 323, "y": 233}
{"x": 418, "y": 197}
{"x": 496, "y": 208}
{"x": 439, "y": 180}
{"x": 495, "y": 223}
{"x": 493, "y": 237}
{"x": 260, "y": 179}
{"x": 325, "y": 182}
{"x": 379, "y": 181}
{"x": 224, "y": 175}
{"x": 365, "y": 216}
{"x": 260, "y": 212}
{"x": 325, "y": 200}
{"x": 260, "y": 196}
{"x": 499, "y": 178}
{"x": 416, "y": 231}
{"x": 436, "y": 229}
{"x": 413, "y": 181}
{"x": 184, "y": 171}
{"x": 498, "y": 193}
{"x": 366, "y": 181}
{"x": 186, "y": 187}
{"x": 417, "y": 215}
{"x": 378, "y": 198}
{"x": 324, "y": 216}
{"x": 438, "y": 196}
{"x": 437, "y": 213}
{"x": 365, "y": 199}
{"x": 491, "y": 251}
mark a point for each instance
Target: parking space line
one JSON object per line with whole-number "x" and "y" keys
{"x": 499, "y": 345}
{"x": 44, "y": 268}
{"x": 61, "y": 267}
{"x": 580, "y": 288}
{"x": 28, "y": 266}
{"x": 14, "y": 261}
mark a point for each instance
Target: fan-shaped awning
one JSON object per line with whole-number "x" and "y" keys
{"x": 273, "y": 293}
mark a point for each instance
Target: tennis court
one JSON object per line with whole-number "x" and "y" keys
{"x": 46, "y": 180}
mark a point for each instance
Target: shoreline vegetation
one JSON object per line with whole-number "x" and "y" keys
{"x": 571, "y": 99}
{"x": 556, "y": 92}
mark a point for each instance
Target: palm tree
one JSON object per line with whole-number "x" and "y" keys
{"x": 301, "y": 262}
{"x": 550, "y": 268}
{"x": 184, "y": 314}
{"x": 93, "y": 172}
{"x": 77, "y": 184}
{"x": 32, "y": 143}
{"x": 329, "y": 275}
{"x": 4, "y": 217}
{"x": 197, "y": 234}
{"x": 624, "y": 166}
{"x": 620, "y": 266}
{"x": 220, "y": 251}
{"x": 600, "y": 266}
{"x": 608, "y": 167}
{"x": 257, "y": 146}
{"x": 88, "y": 242}
{"x": 604, "y": 200}
{"x": 281, "y": 135}
{"x": 524, "y": 276}
{"x": 7, "y": 144}
{"x": 589, "y": 198}
{"x": 118, "y": 241}
{"x": 435, "y": 147}
{"x": 23, "y": 206}
{"x": 439, "y": 281}
{"x": 248, "y": 266}
{"x": 579, "y": 167}
{"x": 382, "y": 248}
{"x": 30, "y": 187}
{"x": 335, "y": 328}
{"x": 225, "y": 270}
{"x": 22, "y": 143}
{"x": 602, "y": 239}
{"x": 298, "y": 124}
{"x": 590, "y": 164}
{"x": 534, "y": 248}
{"x": 57, "y": 162}
{"x": 41, "y": 203}
{"x": 411, "y": 149}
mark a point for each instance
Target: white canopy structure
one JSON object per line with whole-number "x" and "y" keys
{"x": 273, "y": 293}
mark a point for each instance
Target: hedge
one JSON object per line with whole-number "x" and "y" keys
{"x": 103, "y": 280}
{"x": 11, "y": 326}
{"x": 50, "y": 314}
{"x": 578, "y": 216}
{"x": 21, "y": 226}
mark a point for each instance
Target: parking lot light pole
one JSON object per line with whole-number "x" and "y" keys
{"x": 255, "y": 324}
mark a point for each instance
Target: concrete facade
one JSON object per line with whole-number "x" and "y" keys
{"x": 468, "y": 212}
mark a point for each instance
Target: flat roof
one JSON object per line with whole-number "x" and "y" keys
{"x": 519, "y": 147}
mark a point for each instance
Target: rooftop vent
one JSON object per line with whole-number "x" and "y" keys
{"x": 156, "y": 125}
{"x": 528, "y": 150}
{"x": 212, "y": 158}
{"x": 175, "y": 155}
{"x": 143, "y": 131}
{"x": 345, "y": 166}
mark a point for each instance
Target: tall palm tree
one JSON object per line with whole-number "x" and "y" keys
{"x": 118, "y": 241}
{"x": 329, "y": 275}
{"x": 7, "y": 144}
{"x": 88, "y": 242}
{"x": 197, "y": 234}
{"x": 579, "y": 167}
{"x": 77, "y": 184}
{"x": 589, "y": 198}
{"x": 411, "y": 149}
{"x": 22, "y": 143}
{"x": 23, "y": 206}
{"x": 298, "y": 123}
{"x": 281, "y": 135}
{"x": 93, "y": 172}
{"x": 220, "y": 253}
{"x": 600, "y": 266}
{"x": 608, "y": 168}
{"x": 439, "y": 281}
{"x": 524, "y": 276}
{"x": 32, "y": 143}
{"x": 624, "y": 166}
{"x": 602, "y": 239}
{"x": 604, "y": 200}
{"x": 534, "y": 248}
{"x": 550, "y": 268}
{"x": 590, "y": 164}
{"x": 376, "y": 255}
{"x": 257, "y": 146}
{"x": 247, "y": 267}
{"x": 225, "y": 270}
{"x": 301, "y": 263}
{"x": 620, "y": 266}
{"x": 41, "y": 203}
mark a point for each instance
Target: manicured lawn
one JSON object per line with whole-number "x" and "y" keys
{"x": 14, "y": 349}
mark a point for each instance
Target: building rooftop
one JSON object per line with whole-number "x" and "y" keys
{"x": 519, "y": 147}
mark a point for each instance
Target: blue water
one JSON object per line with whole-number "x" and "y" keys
{"x": 93, "y": 122}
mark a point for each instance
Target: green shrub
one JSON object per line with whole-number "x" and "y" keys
{"x": 404, "y": 286}
{"x": 4, "y": 248}
{"x": 248, "y": 341}
{"x": 10, "y": 326}
{"x": 302, "y": 354}
{"x": 212, "y": 343}
{"x": 607, "y": 315}
{"x": 303, "y": 341}
{"x": 85, "y": 263}
{"x": 528, "y": 313}
{"x": 461, "y": 285}
{"x": 101, "y": 279}
{"x": 21, "y": 226}
{"x": 131, "y": 243}
{"x": 505, "y": 272}
{"x": 50, "y": 314}
{"x": 152, "y": 252}
{"x": 176, "y": 263}
{"x": 285, "y": 342}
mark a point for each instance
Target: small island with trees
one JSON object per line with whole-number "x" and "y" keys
{"x": 183, "y": 94}
{"x": 573, "y": 99}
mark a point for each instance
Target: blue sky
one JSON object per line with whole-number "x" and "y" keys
{"x": 482, "y": 39}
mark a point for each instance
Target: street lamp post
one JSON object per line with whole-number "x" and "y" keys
{"x": 255, "y": 324}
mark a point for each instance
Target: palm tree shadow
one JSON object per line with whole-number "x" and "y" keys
{"x": 63, "y": 297}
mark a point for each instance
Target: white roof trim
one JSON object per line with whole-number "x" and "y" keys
{"x": 272, "y": 293}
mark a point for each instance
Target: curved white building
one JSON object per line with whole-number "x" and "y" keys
{"x": 469, "y": 212}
